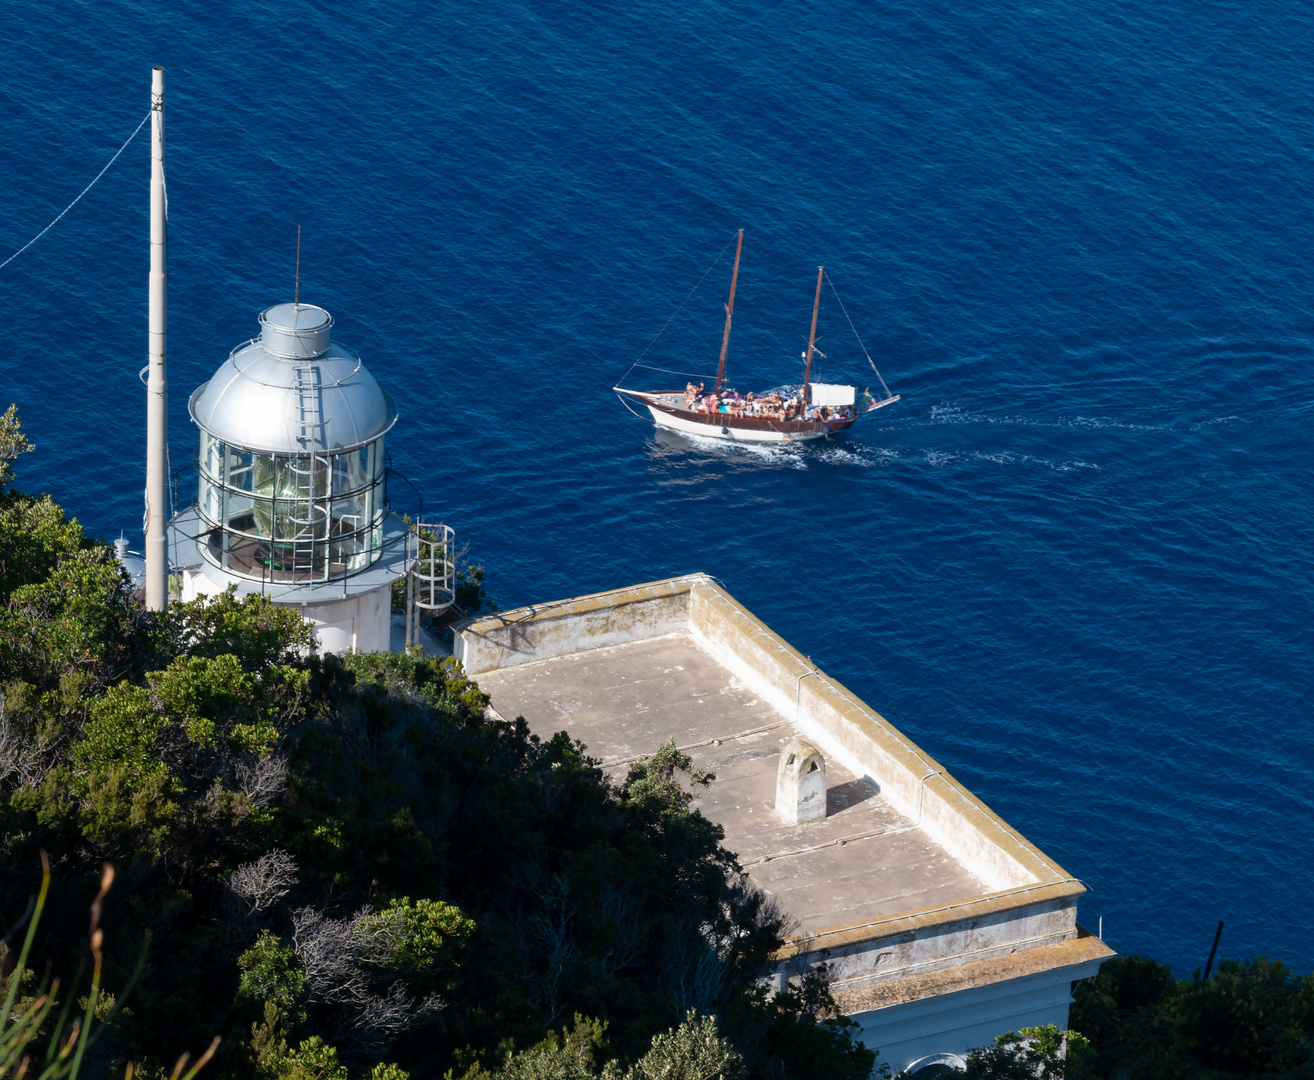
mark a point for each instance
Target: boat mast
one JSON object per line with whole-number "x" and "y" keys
{"x": 729, "y": 311}
{"x": 812, "y": 341}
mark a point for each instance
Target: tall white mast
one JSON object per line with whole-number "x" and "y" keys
{"x": 812, "y": 341}
{"x": 157, "y": 385}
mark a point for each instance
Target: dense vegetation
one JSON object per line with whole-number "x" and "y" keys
{"x": 342, "y": 866}
{"x": 1252, "y": 1018}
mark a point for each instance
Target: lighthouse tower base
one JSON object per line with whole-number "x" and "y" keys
{"x": 348, "y": 615}
{"x": 359, "y": 623}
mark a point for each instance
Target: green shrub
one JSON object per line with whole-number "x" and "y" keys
{"x": 271, "y": 975}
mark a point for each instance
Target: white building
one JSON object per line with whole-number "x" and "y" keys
{"x": 943, "y": 927}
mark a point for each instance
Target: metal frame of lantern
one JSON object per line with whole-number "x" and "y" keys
{"x": 294, "y": 518}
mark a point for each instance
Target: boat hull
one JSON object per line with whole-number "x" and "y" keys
{"x": 709, "y": 429}
{"x": 667, "y": 412}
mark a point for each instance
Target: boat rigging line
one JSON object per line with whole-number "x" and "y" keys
{"x": 628, "y": 406}
{"x": 675, "y": 312}
{"x": 74, "y": 203}
{"x": 672, "y": 371}
{"x": 855, "y": 334}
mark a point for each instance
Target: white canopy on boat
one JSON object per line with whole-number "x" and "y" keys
{"x": 832, "y": 394}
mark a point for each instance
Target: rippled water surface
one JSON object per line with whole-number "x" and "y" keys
{"x": 1073, "y": 562}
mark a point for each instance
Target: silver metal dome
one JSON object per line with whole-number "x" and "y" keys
{"x": 292, "y": 391}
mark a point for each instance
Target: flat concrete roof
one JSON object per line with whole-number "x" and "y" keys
{"x": 865, "y": 860}
{"x": 909, "y": 872}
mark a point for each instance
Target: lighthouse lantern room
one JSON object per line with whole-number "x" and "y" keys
{"x": 291, "y": 455}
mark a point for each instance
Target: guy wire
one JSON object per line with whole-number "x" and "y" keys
{"x": 680, "y": 308}
{"x": 855, "y": 334}
{"x": 74, "y": 203}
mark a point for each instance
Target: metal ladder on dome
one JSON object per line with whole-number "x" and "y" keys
{"x": 310, "y": 411}
{"x": 306, "y": 485}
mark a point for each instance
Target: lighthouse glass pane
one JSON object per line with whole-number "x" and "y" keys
{"x": 238, "y": 473}
{"x": 351, "y": 471}
{"x": 211, "y": 500}
{"x": 240, "y": 512}
{"x": 211, "y": 459}
{"x": 209, "y": 493}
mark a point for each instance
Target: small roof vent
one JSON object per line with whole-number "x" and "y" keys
{"x": 295, "y": 331}
{"x": 801, "y": 784}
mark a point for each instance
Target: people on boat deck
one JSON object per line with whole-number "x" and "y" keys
{"x": 765, "y": 407}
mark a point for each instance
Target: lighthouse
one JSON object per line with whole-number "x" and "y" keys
{"x": 292, "y": 494}
{"x": 292, "y": 497}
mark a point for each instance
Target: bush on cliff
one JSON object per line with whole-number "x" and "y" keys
{"x": 1253, "y": 1018}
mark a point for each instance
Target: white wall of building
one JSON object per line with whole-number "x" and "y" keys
{"x": 361, "y": 623}
{"x": 945, "y": 1027}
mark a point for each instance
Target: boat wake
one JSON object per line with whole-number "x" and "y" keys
{"x": 667, "y": 444}
{"x": 949, "y": 413}
{"x": 669, "y": 447}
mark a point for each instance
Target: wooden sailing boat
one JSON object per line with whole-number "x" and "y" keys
{"x": 815, "y": 411}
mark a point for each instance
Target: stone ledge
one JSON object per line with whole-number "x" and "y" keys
{"x": 963, "y": 911}
{"x": 900, "y": 989}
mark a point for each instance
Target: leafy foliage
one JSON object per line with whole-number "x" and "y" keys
{"x": 1032, "y": 1053}
{"x": 694, "y": 1050}
{"x": 799, "y": 1032}
{"x": 426, "y": 932}
{"x": 271, "y": 975}
{"x": 1253, "y": 1018}
{"x": 12, "y": 444}
{"x": 346, "y": 864}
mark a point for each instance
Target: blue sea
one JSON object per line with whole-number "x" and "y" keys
{"x": 1076, "y": 236}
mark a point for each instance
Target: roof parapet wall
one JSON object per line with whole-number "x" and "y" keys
{"x": 867, "y": 743}
{"x": 544, "y": 631}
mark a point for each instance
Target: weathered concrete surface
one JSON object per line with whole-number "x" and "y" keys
{"x": 842, "y": 724}
{"x": 542, "y": 631}
{"x": 1075, "y": 954}
{"x": 863, "y": 861}
{"x": 910, "y": 873}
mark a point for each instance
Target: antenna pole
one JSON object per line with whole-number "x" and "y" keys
{"x": 729, "y": 311}
{"x": 1213, "y": 952}
{"x": 812, "y": 341}
{"x": 296, "y": 291}
{"x": 157, "y": 384}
